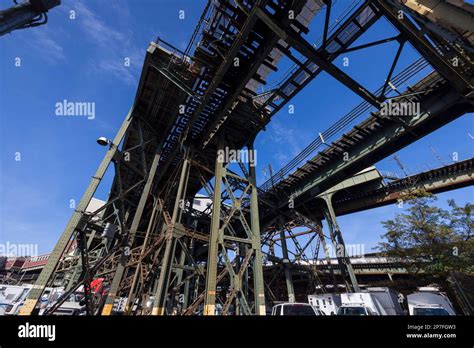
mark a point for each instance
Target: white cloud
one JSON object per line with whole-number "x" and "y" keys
{"x": 291, "y": 141}
{"x": 114, "y": 42}
{"x": 117, "y": 68}
{"x": 96, "y": 28}
{"x": 49, "y": 49}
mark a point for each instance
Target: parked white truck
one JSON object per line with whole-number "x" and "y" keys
{"x": 360, "y": 303}
{"x": 429, "y": 301}
{"x": 12, "y": 297}
{"x": 327, "y": 303}
{"x": 388, "y": 298}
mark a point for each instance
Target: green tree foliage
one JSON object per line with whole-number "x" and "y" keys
{"x": 430, "y": 239}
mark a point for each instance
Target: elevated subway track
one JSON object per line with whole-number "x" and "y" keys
{"x": 377, "y": 193}
{"x": 207, "y": 91}
{"x": 148, "y": 242}
{"x": 370, "y": 141}
{"x": 453, "y": 176}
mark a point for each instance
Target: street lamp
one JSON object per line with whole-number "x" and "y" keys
{"x": 103, "y": 141}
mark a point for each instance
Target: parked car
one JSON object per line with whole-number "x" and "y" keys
{"x": 291, "y": 308}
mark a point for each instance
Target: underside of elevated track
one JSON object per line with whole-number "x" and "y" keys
{"x": 148, "y": 243}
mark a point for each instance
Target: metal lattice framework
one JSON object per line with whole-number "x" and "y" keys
{"x": 149, "y": 245}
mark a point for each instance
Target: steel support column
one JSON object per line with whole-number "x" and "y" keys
{"x": 114, "y": 287}
{"x": 77, "y": 269}
{"x": 343, "y": 259}
{"x": 286, "y": 266}
{"x": 134, "y": 288}
{"x": 170, "y": 247}
{"x": 211, "y": 274}
{"x": 259, "y": 289}
{"x": 322, "y": 238}
{"x": 235, "y": 242}
{"x": 63, "y": 242}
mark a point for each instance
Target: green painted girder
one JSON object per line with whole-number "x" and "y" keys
{"x": 445, "y": 105}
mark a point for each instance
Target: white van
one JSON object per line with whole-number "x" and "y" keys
{"x": 429, "y": 301}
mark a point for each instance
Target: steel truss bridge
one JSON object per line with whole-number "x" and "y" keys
{"x": 147, "y": 242}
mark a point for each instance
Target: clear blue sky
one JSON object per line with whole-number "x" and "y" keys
{"x": 82, "y": 60}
